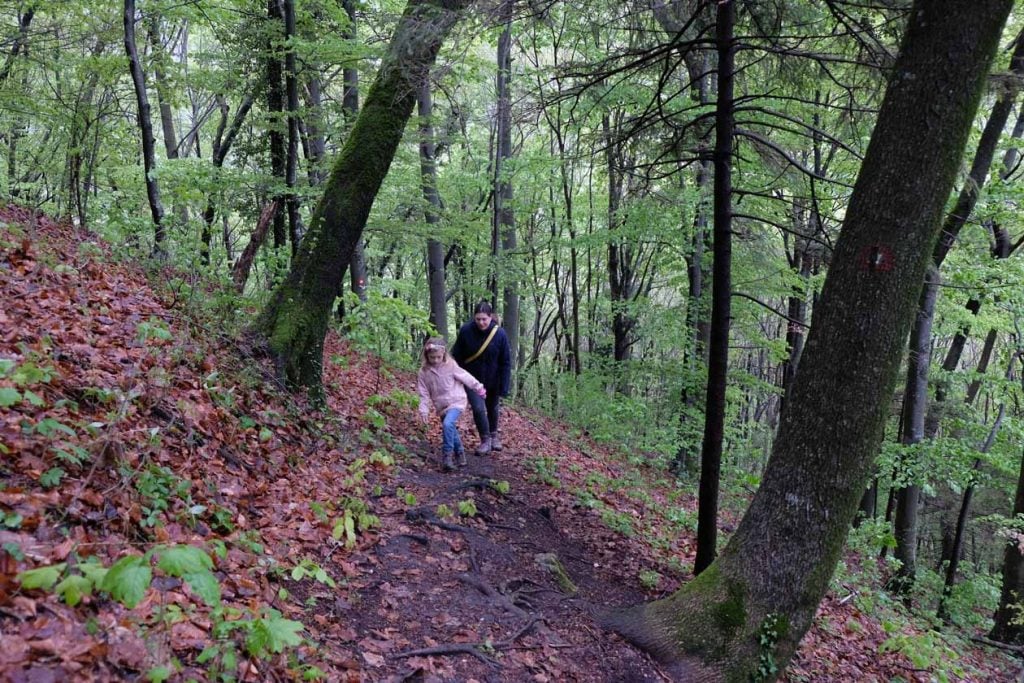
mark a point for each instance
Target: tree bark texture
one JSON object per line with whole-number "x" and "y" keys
{"x": 156, "y": 208}
{"x": 721, "y": 296}
{"x": 296, "y": 318}
{"x": 755, "y": 602}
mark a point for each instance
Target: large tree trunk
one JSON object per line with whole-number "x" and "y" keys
{"x": 721, "y": 297}
{"x": 753, "y": 605}
{"x": 432, "y": 212}
{"x": 296, "y": 318}
{"x": 156, "y": 208}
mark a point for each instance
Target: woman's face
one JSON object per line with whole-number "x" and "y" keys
{"x": 435, "y": 357}
{"x": 482, "y": 320}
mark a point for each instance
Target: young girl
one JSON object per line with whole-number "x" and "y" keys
{"x": 442, "y": 382}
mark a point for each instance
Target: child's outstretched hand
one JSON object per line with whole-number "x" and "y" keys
{"x": 424, "y": 419}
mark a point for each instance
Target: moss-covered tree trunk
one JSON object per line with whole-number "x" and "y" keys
{"x": 744, "y": 616}
{"x": 296, "y": 318}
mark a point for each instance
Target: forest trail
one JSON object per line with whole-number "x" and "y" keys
{"x": 132, "y": 424}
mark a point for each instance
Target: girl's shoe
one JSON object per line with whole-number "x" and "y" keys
{"x": 485, "y": 446}
{"x": 460, "y": 457}
{"x": 495, "y": 442}
{"x": 446, "y": 461}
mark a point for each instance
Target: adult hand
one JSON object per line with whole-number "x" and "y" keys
{"x": 482, "y": 392}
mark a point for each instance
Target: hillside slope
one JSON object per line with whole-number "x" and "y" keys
{"x": 167, "y": 512}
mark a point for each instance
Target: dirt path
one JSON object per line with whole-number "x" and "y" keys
{"x": 467, "y": 598}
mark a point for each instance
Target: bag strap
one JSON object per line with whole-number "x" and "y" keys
{"x": 483, "y": 347}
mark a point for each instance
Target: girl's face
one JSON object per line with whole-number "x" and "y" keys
{"x": 482, "y": 320}
{"x": 435, "y": 357}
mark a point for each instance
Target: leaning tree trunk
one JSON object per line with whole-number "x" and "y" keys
{"x": 156, "y": 208}
{"x": 296, "y": 318}
{"x": 750, "y": 608}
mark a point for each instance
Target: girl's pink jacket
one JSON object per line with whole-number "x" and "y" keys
{"x": 444, "y": 386}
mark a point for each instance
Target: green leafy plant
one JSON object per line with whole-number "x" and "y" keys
{"x": 308, "y": 568}
{"x": 157, "y": 486}
{"x": 355, "y": 519}
{"x": 128, "y": 579}
{"x": 545, "y": 470}
{"x": 649, "y": 579}
{"x": 467, "y": 507}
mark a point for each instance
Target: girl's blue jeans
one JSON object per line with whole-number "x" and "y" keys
{"x": 450, "y": 441}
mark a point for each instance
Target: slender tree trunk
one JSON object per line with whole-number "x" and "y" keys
{"x": 752, "y": 606}
{"x": 916, "y": 397}
{"x": 504, "y": 216}
{"x": 276, "y": 124}
{"x": 350, "y": 106}
{"x": 957, "y": 548}
{"x": 432, "y": 212}
{"x": 721, "y": 296}
{"x": 1008, "y": 627}
{"x": 291, "y": 83}
{"x": 156, "y": 208}
{"x": 221, "y": 145}
{"x": 295, "y": 320}
{"x": 24, "y": 21}
{"x": 908, "y": 497}
{"x": 162, "y": 96}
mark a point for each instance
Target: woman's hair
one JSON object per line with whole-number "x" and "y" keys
{"x": 484, "y": 307}
{"x": 434, "y": 344}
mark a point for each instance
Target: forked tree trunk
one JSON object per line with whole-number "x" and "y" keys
{"x": 750, "y": 608}
{"x": 296, "y": 318}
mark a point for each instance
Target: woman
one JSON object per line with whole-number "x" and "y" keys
{"x": 482, "y": 349}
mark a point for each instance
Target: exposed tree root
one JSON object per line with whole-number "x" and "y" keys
{"x": 477, "y": 650}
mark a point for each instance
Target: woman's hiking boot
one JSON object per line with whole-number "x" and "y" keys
{"x": 460, "y": 458}
{"x": 485, "y": 446}
{"x": 446, "y": 461}
{"x": 495, "y": 442}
